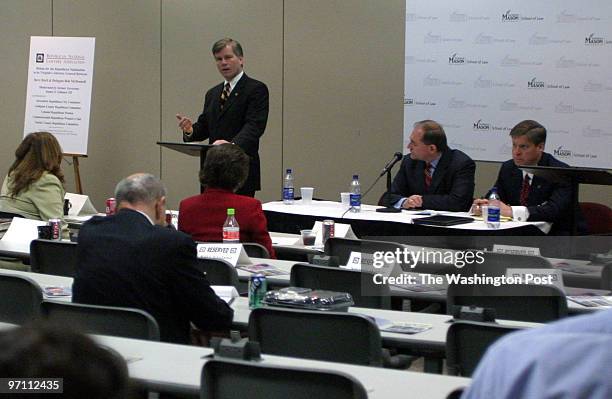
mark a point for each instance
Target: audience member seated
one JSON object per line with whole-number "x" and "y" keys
{"x": 131, "y": 259}
{"x": 526, "y": 197}
{"x": 202, "y": 216}
{"x": 47, "y": 352}
{"x": 571, "y": 358}
{"x": 433, "y": 176}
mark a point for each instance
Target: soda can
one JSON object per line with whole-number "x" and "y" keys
{"x": 111, "y": 206}
{"x": 328, "y": 229}
{"x": 257, "y": 290}
{"x": 56, "y": 228}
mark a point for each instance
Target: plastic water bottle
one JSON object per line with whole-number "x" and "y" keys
{"x": 288, "y": 188}
{"x": 231, "y": 230}
{"x": 355, "y": 194}
{"x": 493, "y": 212}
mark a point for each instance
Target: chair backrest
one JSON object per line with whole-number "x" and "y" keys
{"x": 218, "y": 272}
{"x": 104, "y": 320}
{"x": 54, "y": 257}
{"x": 360, "y": 285}
{"x": 255, "y": 250}
{"x": 320, "y": 335}
{"x": 234, "y": 379}
{"x": 466, "y": 343}
{"x": 598, "y": 217}
{"x": 342, "y": 247}
{"x": 9, "y": 215}
{"x": 535, "y": 303}
{"x": 21, "y": 298}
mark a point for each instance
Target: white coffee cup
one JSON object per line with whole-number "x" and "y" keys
{"x": 345, "y": 198}
{"x": 307, "y": 194}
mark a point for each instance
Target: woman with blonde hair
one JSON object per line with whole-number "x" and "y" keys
{"x": 34, "y": 186}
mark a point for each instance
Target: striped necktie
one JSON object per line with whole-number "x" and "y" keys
{"x": 427, "y": 175}
{"x": 524, "y": 191}
{"x": 225, "y": 95}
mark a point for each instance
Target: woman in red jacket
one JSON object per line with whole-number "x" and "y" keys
{"x": 202, "y": 216}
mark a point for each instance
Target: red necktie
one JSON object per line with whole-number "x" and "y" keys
{"x": 525, "y": 191}
{"x": 427, "y": 176}
{"x": 225, "y": 94}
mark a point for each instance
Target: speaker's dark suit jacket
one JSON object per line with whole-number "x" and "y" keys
{"x": 124, "y": 260}
{"x": 242, "y": 121}
{"x": 452, "y": 185}
{"x": 547, "y": 201}
{"x": 202, "y": 217}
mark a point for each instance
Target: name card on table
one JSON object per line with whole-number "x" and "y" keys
{"x": 341, "y": 230}
{"x": 80, "y": 205}
{"x": 226, "y": 292}
{"x": 23, "y": 230}
{"x": 234, "y": 254}
{"x": 357, "y": 259}
{"x": 516, "y": 250}
{"x": 537, "y": 276}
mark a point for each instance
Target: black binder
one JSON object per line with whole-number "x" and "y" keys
{"x": 443, "y": 220}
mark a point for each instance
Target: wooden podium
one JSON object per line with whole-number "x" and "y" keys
{"x": 572, "y": 176}
{"x": 191, "y": 149}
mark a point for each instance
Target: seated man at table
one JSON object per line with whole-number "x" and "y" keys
{"x": 526, "y": 197}
{"x": 433, "y": 176}
{"x": 131, "y": 259}
{"x": 570, "y": 358}
{"x": 202, "y": 216}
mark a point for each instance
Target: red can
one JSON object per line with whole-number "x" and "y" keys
{"x": 328, "y": 230}
{"x": 56, "y": 228}
{"x": 111, "y": 206}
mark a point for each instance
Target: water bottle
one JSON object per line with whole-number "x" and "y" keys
{"x": 355, "y": 194}
{"x": 288, "y": 188}
{"x": 493, "y": 212}
{"x": 231, "y": 230}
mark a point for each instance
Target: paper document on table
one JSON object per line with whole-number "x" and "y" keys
{"x": 80, "y": 205}
{"x": 22, "y": 230}
{"x": 226, "y": 292}
{"x": 592, "y": 301}
{"x": 263, "y": 268}
{"x": 400, "y": 327}
{"x": 286, "y": 240}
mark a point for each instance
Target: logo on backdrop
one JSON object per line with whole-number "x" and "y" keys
{"x": 461, "y": 104}
{"x": 412, "y": 102}
{"x": 432, "y": 38}
{"x": 509, "y": 105}
{"x": 596, "y": 87}
{"x": 564, "y": 62}
{"x": 511, "y": 16}
{"x": 563, "y": 108}
{"x": 40, "y": 57}
{"x": 433, "y": 81}
{"x": 457, "y": 16}
{"x": 508, "y": 61}
{"x": 409, "y": 59}
{"x": 589, "y": 131}
{"x": 412, "y": 17}
{"x": 565, "y": 17}
{"x": 541, "y": 40}
{"x": 536, "y": 84}
{"x": 456, "y": 59}
{"x": 592, "y": 40}
{"x": 484, "y": 38}
{"x": 562, "y": 152}
{"x": 484, "y": 83}
{"x": 481, "y": 126}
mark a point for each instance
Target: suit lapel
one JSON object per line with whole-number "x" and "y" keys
{"x": 233, "y": 95}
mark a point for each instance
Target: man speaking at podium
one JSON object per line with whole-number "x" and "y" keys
{"x": 235, "y": 111}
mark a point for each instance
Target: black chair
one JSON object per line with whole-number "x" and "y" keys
{"x": 342, "y": 247}
{"x": 535, "y": 303}
{"x": 359, "y": 284}
{"x": 9, "y": 215}
{"x": 104, "y": 320}
{"x": 235, "y": 379}
{"x": 330, "y": 336}
{"x": 53, "y": 257}
{"x": 255, "y": 250}
{"x": 467, "y": 342}
{"x": 218, "y": 272}
{"x": 21, "y": 298}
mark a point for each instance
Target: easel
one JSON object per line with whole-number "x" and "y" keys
{"x": 77, "y": 174}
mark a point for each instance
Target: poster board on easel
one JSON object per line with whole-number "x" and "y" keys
{"x": 58, "y": 98}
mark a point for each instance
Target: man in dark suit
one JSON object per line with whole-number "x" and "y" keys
{"x": 132, "y": 260}
{"x": 433, "y": 176}
{"x": 234, "y": 111}
{"x": 526, "y": 197}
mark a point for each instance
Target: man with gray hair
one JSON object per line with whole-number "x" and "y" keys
{"x": 235, "y": 111}
{"x": 131, "y": 259}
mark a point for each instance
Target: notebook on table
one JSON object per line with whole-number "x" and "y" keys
{"x": 443, "y": 220}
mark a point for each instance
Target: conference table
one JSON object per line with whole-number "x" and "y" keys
{"x": 369, "y": 223}
{"x": 173, "y": 368}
